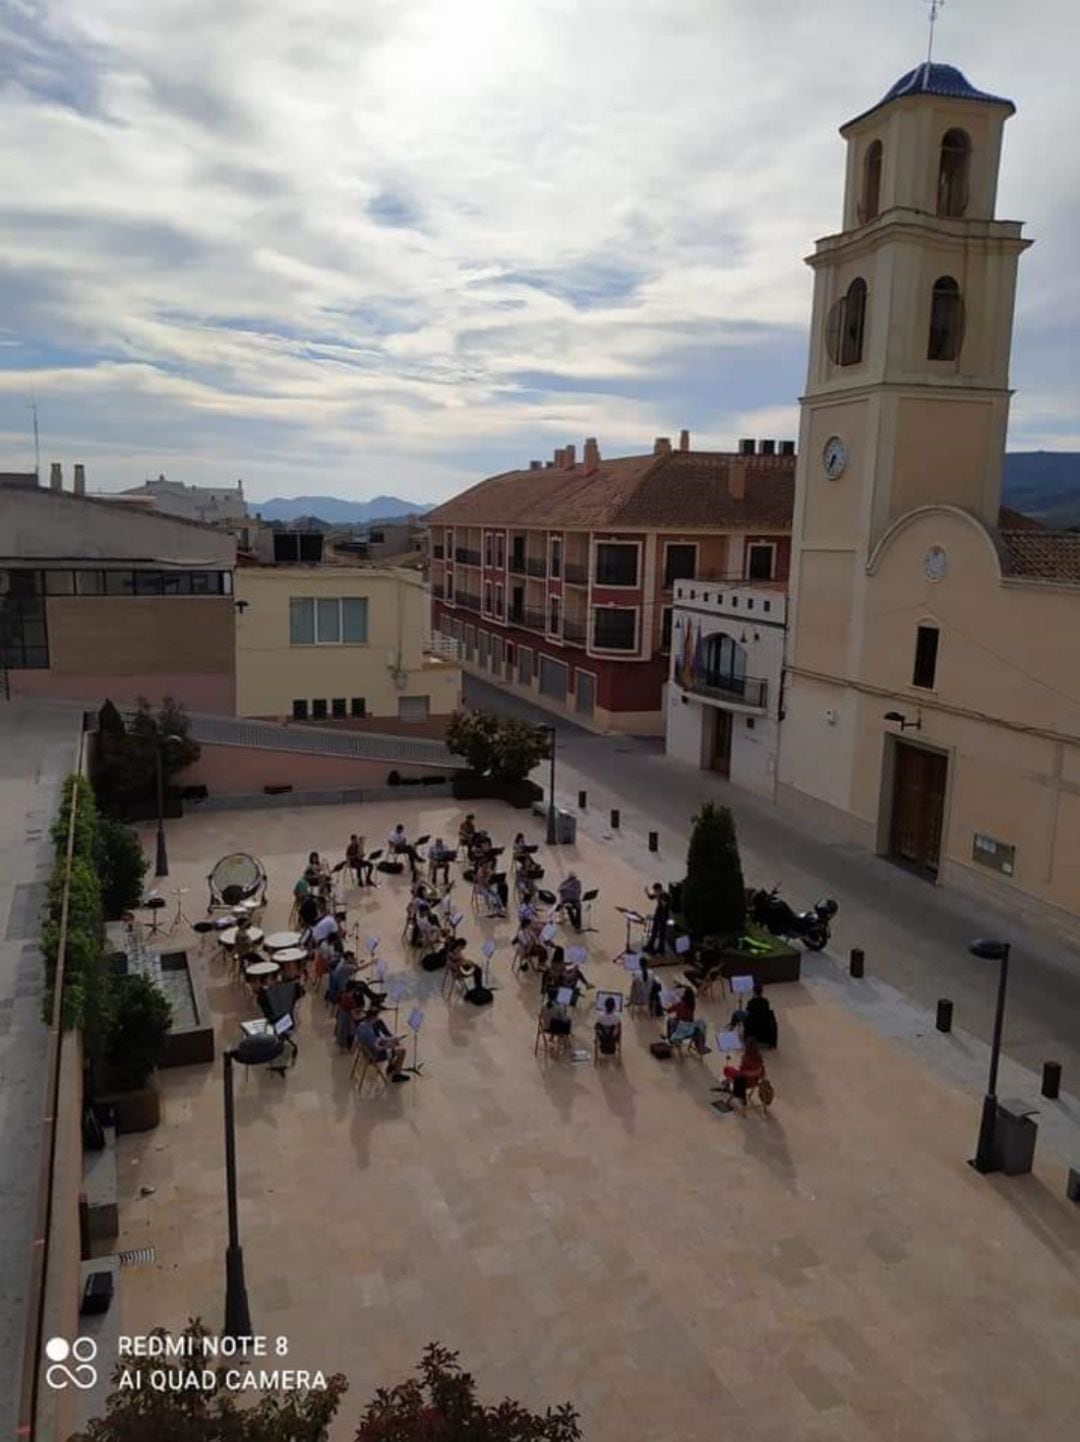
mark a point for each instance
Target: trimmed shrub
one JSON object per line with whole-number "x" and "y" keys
{"x": 713, "y": 895}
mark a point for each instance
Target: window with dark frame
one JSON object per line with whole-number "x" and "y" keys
{"x": 845, "y": 325}
{"x": 759, "y": 563}
{"x": 954, "y": 172}
{"x": 871, "y": 194}
{"x": 665, "y": 628}
{"x": 24, "y": 642}
{"x": 614, "y": 628}
{"x": 357, "y": 706}
{"x": 553, "y": 615}
{"x": 556, "y": 556}
{"x": 616, "y": 563}
{"x": 299, "y": 710}
{"x": 946, "y": 320}
{"x": 680, "y": 563}
{"x": 926, "y": 652}
{"x": 337, "y": 706}
{"x": 318, "y": 710}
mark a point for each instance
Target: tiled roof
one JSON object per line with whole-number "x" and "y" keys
{"x": 1041, "y": 555}
{"x": 930, "y": 79}
{"x": 1010, "y": 520}
{"x": 679, "y": 490}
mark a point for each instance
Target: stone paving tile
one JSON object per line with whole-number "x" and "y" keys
{"x": 833, "y": 1270}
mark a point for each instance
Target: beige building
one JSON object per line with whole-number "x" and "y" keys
{"x": 346, "y": 643}
{"x": 933, "y": 696}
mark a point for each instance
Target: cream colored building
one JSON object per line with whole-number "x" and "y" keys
{"x": 933, "y": 693}
{"x": 335, "y": 642}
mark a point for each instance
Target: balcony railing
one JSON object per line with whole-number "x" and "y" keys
{"x": 573, "y": 633}
{"x": 467, "y": 599}
{"x": 528, "y": 618}
{"x": 748, "y": 691}
{"x": 536, "y": 566}
{"x": 466, "y": 557}
{"x": 438, "y": 553}
{"x": 576, "y": 575}
{"x": 517, "y": 565}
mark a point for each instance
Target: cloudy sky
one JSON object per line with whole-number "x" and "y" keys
{"x": 360, "y": 246}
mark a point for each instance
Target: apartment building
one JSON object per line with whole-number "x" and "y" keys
{"x": 558, "y": 580}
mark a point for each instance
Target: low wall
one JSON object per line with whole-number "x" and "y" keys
{"x": 433, "y": 729}
{"x": 244, "y": 770}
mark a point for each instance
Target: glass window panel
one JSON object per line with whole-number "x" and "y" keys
{"x": 89, "y": 583}
{"x": 354, "y": 619}
{"x": 119, "y": 583}
{"x": 176, "y": 583}
{"x": 148, "y": 583}
{"x": 337, "y": 706}
{"x": 299, "y": 710}
{"x": 318, "y": 710}
{"x": 59, "y": 583}
{"x": 301, "y": 621}
{"x": 616, "y": 565}
{"x": 203, "y": 583}
{"x": 358, "y": 705}
{"x": 327, "y": 620}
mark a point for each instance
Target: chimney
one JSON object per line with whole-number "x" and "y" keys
{"x": 56, "y": 477}
{"x": 767, "y": 448}
{"x": 558, "y": 461}
{"x": 591, "y": 456}
{"x": 570, "y": 457}
{"x": 80, "y": 479}
{"x": 684, "y": 440}
{"x": 662, "y": 446}
{"x": 787, "y": 448}
{"x": 536, "y": 465}
{"x": 736, "y": 479}
{"x": 746, "y": 448}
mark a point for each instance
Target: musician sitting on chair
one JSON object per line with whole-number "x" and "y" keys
{"x": 608, "y": 1028}
{"x": 380, "y": 1045}
{"x": 400, "y": 845}
{"x": 439, "y": 858}
{"x": 467, "y": 830}
{"x": 570, "y": 899}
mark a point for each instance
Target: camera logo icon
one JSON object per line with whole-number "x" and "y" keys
{"x": 80, "y": 1354}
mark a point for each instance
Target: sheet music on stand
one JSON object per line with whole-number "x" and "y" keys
{"x": 414, "y": 1021}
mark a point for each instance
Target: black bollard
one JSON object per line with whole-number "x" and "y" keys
{"x": 1051, "y": 1083}
{"x": 582, "y": 797}
{"x": 614, "y": 821}
{"x": 944, "y": 1015}
{"x": 654, "y": 841}
{"x": 857, "y": 962}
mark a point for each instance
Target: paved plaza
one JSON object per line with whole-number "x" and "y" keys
{"x": 833, "y": 1270}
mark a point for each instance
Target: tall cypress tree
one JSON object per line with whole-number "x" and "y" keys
{"x": 713, "y": 894}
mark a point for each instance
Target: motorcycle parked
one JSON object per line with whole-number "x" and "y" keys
{"x": 769, "y": 909}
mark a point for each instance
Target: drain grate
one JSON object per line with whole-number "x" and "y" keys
{"x": 137, "y": 1257}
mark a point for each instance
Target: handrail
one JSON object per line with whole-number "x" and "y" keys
{"x": 33, "y": 1338}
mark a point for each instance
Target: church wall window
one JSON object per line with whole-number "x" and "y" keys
{"x": 870, "y": 204}
{"x": 845, "y": 326}
{"x": 946, "y": 320}
{"x": 954, "y": 173}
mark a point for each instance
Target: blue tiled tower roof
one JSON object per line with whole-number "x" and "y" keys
{"x": 932, "y": 79}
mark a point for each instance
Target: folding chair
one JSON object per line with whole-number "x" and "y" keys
{"x": 370, "y": 1063}
{"x": 600, "y": 1055}
{"x": 555, "y": 1043}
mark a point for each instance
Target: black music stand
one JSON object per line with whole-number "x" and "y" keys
{"x": 632, "y": 919}
{"x": 587, "y": 899}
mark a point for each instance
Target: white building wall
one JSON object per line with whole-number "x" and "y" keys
{"x": 741, "y": 613}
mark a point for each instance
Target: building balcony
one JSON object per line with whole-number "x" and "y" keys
{"x": 747, "y": 693}
{"x": 575, "y": 574}
{"x": 573, "y": 632}
{"x": 467, "y": 599}
{"x": 517, "y": 565}
{"x": 466, "y": 557}
{"x": 536, "y": 566}
{"x": 527, "y": 618}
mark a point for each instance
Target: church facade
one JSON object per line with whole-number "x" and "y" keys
{"x": 932, "y": 688}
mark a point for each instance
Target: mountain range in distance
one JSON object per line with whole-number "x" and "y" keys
{"x": 1043, "y": 484}
{"x": 337, "y": 510}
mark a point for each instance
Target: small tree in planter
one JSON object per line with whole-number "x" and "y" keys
{"x": 136, "y": 1042}
{"x": 713, "y": 895}
{"x": 121, "y": 866}
{"x": 125, "y": 770}
{"x": 500, "y": 751}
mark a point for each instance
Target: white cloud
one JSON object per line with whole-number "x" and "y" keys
{"x": 198, "y": 267}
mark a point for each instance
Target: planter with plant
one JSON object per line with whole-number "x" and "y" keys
{"x": 136, "y": 1041}
{"x": 712, "y": 898}
{"x": 500, "y": 752}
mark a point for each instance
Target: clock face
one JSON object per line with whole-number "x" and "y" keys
{"x": 834, "y": 458}
{"x": 935, "y": 564}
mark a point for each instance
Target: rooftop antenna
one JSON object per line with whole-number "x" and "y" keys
{"x": 37, "y": 439}
{"x": 936, "y": 7}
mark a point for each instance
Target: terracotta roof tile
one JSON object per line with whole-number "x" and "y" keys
{"x": 680, "y": 490}
{"x": 1041, "y": 555}
{"x": 1010, "y": 520}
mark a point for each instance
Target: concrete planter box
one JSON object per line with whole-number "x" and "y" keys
{"x": 190, "y": 1040}
{"x": 780, "y": 963}
{"x": 135, "y": 1111}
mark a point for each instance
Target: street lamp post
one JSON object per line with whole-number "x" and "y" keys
{"x": 252, "y": 1051}
{"x": 161, "y": 867}
{"x": 551, "y": 833}
{"x": 988, "y": 950}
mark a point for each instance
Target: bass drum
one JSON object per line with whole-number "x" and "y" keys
{"x": 236, "y": 878}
